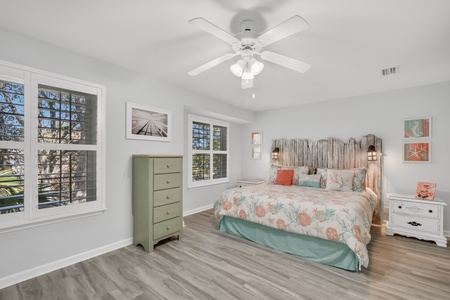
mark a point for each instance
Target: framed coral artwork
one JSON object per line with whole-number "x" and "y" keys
{"x": 419, "y": 152}
{"x": 417, "y": 128}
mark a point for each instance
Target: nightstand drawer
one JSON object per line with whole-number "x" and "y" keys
{"x": 167, "y": 181}
{"x": 164, "y": 197}
{"x": 167, "y": 165}
{"x": 416, "y": 224}
{"x": 166, "y": 212}
{"x": 416, "y": 209}
{"x": 166, "y": 228}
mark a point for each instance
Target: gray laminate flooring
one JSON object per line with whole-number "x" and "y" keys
{"x": 207, "y": 264}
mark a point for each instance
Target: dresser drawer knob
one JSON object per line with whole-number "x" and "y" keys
{"x": 168, "y": 227}
{"x": 400, "y": 206}
{"x": 430, "y": 211}
{"x": 414, "y": 223}
{"x": 168, "y": 212}
{"x": 168, "y": 166}
{"x": 168, "y": 197}
{"x": 168, "y": 181}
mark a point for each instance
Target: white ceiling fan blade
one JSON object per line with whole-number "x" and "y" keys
{"x": 247, "y": 83}
{"x": 283, "y": 30}
{"x": 214, "y": 30}
{"x": 212, "y": 63}
{"x": 285, "y": 61}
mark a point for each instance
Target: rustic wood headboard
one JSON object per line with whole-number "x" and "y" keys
{"x": 336, "y": 154}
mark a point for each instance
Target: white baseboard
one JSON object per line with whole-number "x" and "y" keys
{"x": 55, "y": 265}
{"x": 197, "y": 210}
{"x": 447, "y": 233}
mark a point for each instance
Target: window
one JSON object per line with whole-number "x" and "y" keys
{"x": 208, "y": 151}
{"x": 50, "y": 148}
{"x": 257, "y": 145}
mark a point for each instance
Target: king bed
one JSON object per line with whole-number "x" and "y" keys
{"x": 323, "y": 214}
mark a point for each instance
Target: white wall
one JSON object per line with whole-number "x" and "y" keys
{"x": 23, "y": 250}
{"x": 381, "y": 114}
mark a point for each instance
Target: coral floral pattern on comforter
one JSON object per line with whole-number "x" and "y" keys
{"x": 343, "y": 217}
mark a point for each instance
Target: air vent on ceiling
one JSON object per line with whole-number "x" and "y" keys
{"x": 392, "y": 70}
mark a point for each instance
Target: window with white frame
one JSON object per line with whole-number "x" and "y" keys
{"x": 208, "y": 151}
{"x": 51, "y": 158}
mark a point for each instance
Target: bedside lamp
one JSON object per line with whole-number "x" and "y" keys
{"x": 372, "y": 153}
{"x": 275, "y": 153}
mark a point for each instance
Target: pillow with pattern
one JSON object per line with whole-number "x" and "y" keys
{"x": 340, "y": 180}
{"x": 273, "y": 173}
{"x": 359, "y": 180}
{"x": 299, "y": 171}
{"x": 309, "y": 180}
{"x": 323, "y": 173}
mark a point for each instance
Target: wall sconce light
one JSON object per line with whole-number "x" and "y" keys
{"x": 372, "y": 153}
{"x": 275, "y": 153}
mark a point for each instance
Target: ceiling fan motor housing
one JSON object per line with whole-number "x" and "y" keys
{"x": 247, "y": 46}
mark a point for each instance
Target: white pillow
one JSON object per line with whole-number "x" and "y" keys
{"x": 340, "y": 180}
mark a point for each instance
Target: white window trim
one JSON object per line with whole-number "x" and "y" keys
{"x": 31, "y": 216}
{"x": 212, "y": 122}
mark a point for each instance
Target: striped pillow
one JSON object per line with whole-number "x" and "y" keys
{"x": 309, "y": 180}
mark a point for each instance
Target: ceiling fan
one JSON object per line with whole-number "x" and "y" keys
{"x": 248, "y": 44}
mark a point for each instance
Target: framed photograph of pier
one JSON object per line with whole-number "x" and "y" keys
{"x": 148, "y": 123}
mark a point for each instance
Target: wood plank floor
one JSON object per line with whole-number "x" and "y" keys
{"x": 207, "y": 264}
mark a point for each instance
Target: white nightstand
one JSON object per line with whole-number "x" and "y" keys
{"x": 423, "y": 219}
{"x": 245, "y": 182}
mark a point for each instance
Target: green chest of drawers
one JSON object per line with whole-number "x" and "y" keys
{"x": 157, "y": 199}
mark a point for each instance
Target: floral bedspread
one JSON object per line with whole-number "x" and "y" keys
{"x": 344, "y": 217}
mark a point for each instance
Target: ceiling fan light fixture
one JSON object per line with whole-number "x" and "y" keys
{"x": 247, "y": 75}
{"x": 238, "y": 68}
{"x": 256, "y": 66}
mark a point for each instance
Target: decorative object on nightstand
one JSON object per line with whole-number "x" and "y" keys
{"x": 157, "y": 198}
{"x": 422, "y": 219}
{"x": 425, "y": 190}
{"x": 245, "y": 182}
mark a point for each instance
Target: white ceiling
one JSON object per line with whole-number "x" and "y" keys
{"x": 348, "y": 43}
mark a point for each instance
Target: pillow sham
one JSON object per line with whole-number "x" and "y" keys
{"x": 273, "y": 173}
{"x": 297, "y": 170}
{"x": 323, "y": 173}
{"x": 284, "y": 177}
{"x": 359, "y": 180}
{"x": 309, "y": 180}
{"x": 340, "y": 180}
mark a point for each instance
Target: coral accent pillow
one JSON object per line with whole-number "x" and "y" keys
{"x": 340, "y": 180}
{"x": 284, "y": 177}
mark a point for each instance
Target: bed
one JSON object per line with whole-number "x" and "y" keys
{"x": 322, "y": 223}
